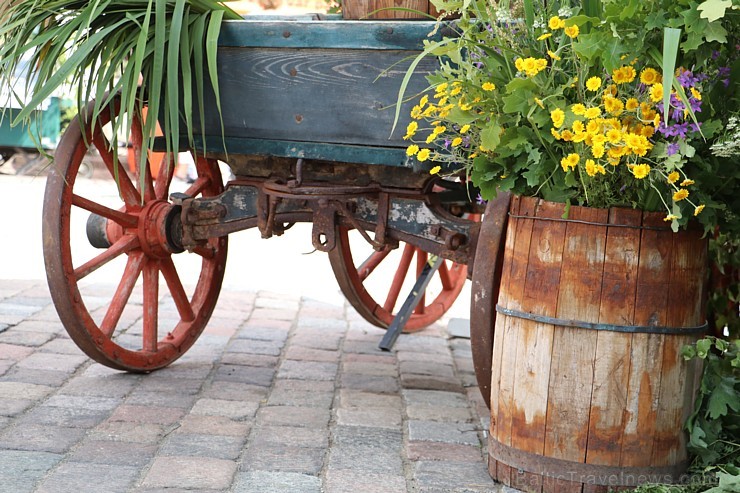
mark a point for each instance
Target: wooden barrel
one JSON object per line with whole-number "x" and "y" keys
{"x": 589, "y": 391}
{"x": 361, "y": 9}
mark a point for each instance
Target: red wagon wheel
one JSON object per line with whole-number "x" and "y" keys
{"x": 158, "y": 302}
{"x": 377, "y": 302}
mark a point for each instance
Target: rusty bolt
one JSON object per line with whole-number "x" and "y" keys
{"x": 455, "y": 241}
{"x": 286, "y": 34}
{"x": 293, "y": 72}
{"x": 298, "y": 118}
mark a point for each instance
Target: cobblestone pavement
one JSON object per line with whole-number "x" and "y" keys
{"x": 280, "y": 394}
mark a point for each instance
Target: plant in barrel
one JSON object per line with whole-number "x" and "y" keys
{"x": 128, "y": 64}
{"x": 612, "y": 125}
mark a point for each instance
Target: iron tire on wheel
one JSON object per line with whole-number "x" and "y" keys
{"x": 487, "y": 268}
{"x": 136, "y": 238}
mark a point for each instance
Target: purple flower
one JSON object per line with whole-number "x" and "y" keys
{"x": 480, "y": 200}
{"x": 672, "y": 148}
{"x": 688, "y": 79}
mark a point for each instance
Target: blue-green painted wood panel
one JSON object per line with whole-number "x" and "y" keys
{"x": 387, "y": 156}
{"x": 366, "y": 35}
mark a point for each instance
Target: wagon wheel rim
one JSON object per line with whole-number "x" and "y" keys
{"x": 380, "y": 308}
{"x": 487, "y": 269}
{"x": 135, "y": 230}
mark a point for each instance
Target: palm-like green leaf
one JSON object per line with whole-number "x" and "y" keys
{"x": 147, "y": 52}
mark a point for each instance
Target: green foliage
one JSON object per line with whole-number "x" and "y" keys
{"x": 539, "y": 69}
{"x": 144, "y": 51}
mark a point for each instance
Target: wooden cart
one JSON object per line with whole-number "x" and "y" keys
{"x": 308, "y": 111}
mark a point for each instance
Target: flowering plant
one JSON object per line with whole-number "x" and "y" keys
{"x": 577, "y": 103}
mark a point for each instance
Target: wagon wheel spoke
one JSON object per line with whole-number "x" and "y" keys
{"x": 119, "y": 217}
{"x": 372, "y": 262}
{"x": 151, "y": 305}
{"x": 137, "y": 140}
{"x": 164, "y": 179}
{"x": 445, "y": 276}
{"x": 123, "y": 245}
{"x": 198, "y": 186}
{"x": 130, "y": 275}
{"x": 398, "y": 277}
{"x": 167, "y": 266}
{"x": 421, "y": 261}
{"x": 128, "y": 192}
{"x": 206, "y": 252}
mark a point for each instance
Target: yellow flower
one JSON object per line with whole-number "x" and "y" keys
{"x": 423, "y": 101}
{"x": 593, "y": 126}
{"x": 687, "y": 182}
{"x": 566, "y": 135}
{"x": 592, "y": 112}
{"x": 695, "y": 93}
{"x": 431, "y": 137}
{"x": 435, "y": 170}
{"x": 656, "y": 92}
{"x": 614, "y": 136}
{"x": 456, "y": 90}
{"x": 423, "y": 154}
{"x": 698, "y": 209}
{"x": 578, "y": 126}
{"x": 632, "y": 104}
{"x": 640, "y": 171}
{"x": 438, "y": 129}
{"x": 673, "y": 177}
{"x": 553, "y": 55}
{"x": 598, "y": 139}
{"x": 456, "y": 141}
{"x": 680, "y": 195}
{"x": 670, "y": 217}
{"x": 412, "y": 150}
{"x": 539, "y": 103}
{"x": 441, "y": 90}
{"x": 570, "y": 161}
{"x": 488, "y": 86}
{"x": 593, "y": 83}
{"x": 624, "y": 74}
{"x": 464, "y": 129}
{"x": 556, "y": 23}
{"x": 544, "y": 36}
{"x": 650, "y": 76}
{"x": 590, "y": 167}
{"x": 410, "y": 130}
{"x": 572, "y": 31}
{"x": 598, "y": 151}
{"x": 578, "y": 109}
{"x": 613, "y": 105}
{"x": 555, "y": 133}
{"x": 531, "y": 66}
{"x": 558, "y": 117}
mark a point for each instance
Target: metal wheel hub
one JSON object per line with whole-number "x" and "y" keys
{"x": 160, "y": 229}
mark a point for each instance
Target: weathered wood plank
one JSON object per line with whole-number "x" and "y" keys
{"x": 653, "y": 279}
{"x": 534, "y": 350}
{"x": 611, "y": 375}
{"x": 360, "y": 9}
{"x": 573, "y": 350}
{"x": 685, "y": 296}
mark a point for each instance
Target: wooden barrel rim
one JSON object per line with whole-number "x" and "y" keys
{"x": 579, "y": 472}
{"x": 634, "y": 329}
{"x": 592, "y": 223}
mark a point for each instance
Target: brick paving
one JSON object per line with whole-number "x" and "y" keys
{"x": 281, "y": 394}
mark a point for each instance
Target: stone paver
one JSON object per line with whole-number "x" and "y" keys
{"x": 281, "y": 393}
